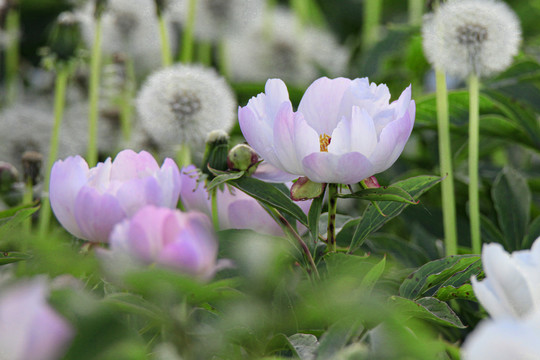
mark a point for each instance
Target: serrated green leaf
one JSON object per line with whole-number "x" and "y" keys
{"x": 434, "y": 273}
{"x": 389, "y": 193}
{"x": 427, "y": 308}
{"x": 269, "y": 195}
{"x": 372, "y": 220}
{"x": 223, "y": 178}
{"x": 512, "y": 200}
{"x": 447, "y": 293}
{"x": 8, "y": 257}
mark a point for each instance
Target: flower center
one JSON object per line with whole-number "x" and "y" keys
{"x": 324, "y": 141}
{"x": 472, "y": 35}
{"x": 184, "y": 104}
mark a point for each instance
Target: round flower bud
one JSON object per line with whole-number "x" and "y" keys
{"x": 215, "y": 154}
{"x": 242, "y": 157}
{"x": 65, "y": 37}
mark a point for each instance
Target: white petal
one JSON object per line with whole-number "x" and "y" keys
{"x": 356, "y": 134}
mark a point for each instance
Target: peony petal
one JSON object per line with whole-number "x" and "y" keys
{"x": 248, "y": 214}
{"x": 193, "y": 193}
{"x": 320, "y": 103}
{"x": 485, "y": 293}
{"x": 294, "y": 139}
{"x": 392, "y": 140}
{"x": 131, "y": 165}
{"x": 134, "y": 194}
{"x": 355, "y": 134}
{"x": 371, "y": 97}
{"x": 169, "y": 181}
{"x": 348, "y": 168}
{"x": 96, "y": 214}
{"x": 67, "y": 179}
{"x": 269, "y": 173}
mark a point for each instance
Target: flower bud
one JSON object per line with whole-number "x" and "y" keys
{"x": 65, "y": 37}
{"x": 371, "y": 182}
{"x": 99, "y": 8}
{"x": 215, "y": 154}
{"x": 243, "y": 157}
{"x": 305, "y": 189}
{"x": 8, "y": 176}
{"x": 32, "y": 161}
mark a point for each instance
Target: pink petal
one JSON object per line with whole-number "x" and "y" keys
{"x": 355, "y": 134}
{"x": 269, "y": 173}
{"x": 326, "y": 167}
{"x": 248, "y": 214}
{"x": 129, "y": 165}
{"x": 193, "y": 194}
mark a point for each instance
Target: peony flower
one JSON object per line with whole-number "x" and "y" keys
{"x": 182, "y": 104}
{"x": 168, "y": 237}
{"x": 29, "y": 327}
{"x": 512, "y": 283}
{"x": 503, "y": 339}
{"x": 89, "y": 202}
{"x": 343, "y": 132}
{"x": 471, "y": 36}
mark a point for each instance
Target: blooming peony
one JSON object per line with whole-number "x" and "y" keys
{"x": 512, "y": 283}
{"x": 343, "y": 132}
{"x": 29, "y": 327}
{"x": 89, "y": 202}
{"x": 168, "y": 237}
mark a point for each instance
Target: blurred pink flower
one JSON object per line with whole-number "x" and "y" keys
{"x": 168, "y": 237}
{"x": 89, "y": 202}
{"x": 236, "y": 209}
{"x": 29, "y": 327}
{"x": 343, "y": 132}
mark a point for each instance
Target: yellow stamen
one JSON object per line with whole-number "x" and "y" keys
{"x": 324, "y": 141}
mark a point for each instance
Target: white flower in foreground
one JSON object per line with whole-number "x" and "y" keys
{"x": 471, "y": 36}
{"x": 512, "y": 283}
{"x": 29, "y": 327}
{"x": 343, "y": 132}
{"x": 182, "y": 104}
{"x": 504, "y": 339}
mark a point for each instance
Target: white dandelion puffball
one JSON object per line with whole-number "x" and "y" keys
{"x": 182, "y": 104}
{"x": 215, "y": 19}
{"x": 471, "y": 36}
{"x": 127, "y": 26}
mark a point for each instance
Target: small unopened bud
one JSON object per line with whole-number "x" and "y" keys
{"x": 99, "y": 8}
{"x": 215, "y": 154}
{"x": 31, "y": 161}
{"x": 371, "y": 182}
{"x": 305, "y": 189}
{"x": 160, "y": 6}
{"x": 243, "y": 157}
{"x": 65, "y": 37}
{"x": 8, "y": 176}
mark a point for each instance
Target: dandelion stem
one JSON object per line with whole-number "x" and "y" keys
{"x": 474, "y": 139}
{"x": 186, "y": 56}
{"x": 331, "y": 229}
{"x": 28, "y": 198}
{"x": 12, "y": 54}
{"x": 126, "y": 97}
{"x": 204, "y": 53}
{"x": 371, "y": 21}
{"x": 215, "y": 215}
{"x": 445, "y": 159}
{"x": 223, "y": 64}
{"x": 166, "y": 55}
{"x": 93, "y": 95}
{"x": 59, "y": 102}
{"x": 416, "y": 9}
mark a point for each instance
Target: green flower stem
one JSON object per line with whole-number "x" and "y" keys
{"x": 126, "y": 107}
{"x": 222, "y": 55}
{"x": 416, "y": 9}
{"x": 59, "y": 103}
{"x": 215, "y": 214}
{"x": 332, "y": 208}
{"x": 474, "y": 140}
{"x": 204, "y": 53}
{"x": 12, "y": 54}
{"x": 186, "y": 56}
{"x": 371, "y": 21}
{"x": 445, "y": 159}
{"x": 93, "y": 95}
{"x": 28, "y": 198}
{"x": 166, "y": 55}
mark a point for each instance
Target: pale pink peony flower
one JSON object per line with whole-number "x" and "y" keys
{"x": 168, "y": 237}
{"x": 343, "y": 132}
{"x": 29, "y": 327}
{"x": 89, "y": 202}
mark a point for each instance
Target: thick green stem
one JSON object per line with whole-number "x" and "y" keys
{"x": 223, "y": 62}
{"x": 28, "y": 198}
{"x": 186, "y": 55}
{"x": 416, "y": 9}
{"x": 93, "y": 96}
{"x": 332, "y": 208}
{"x": 445, "y": 159}
{"x": 126, "y": 100}
{"x": 12, "y": 54}
{"x": 215, "y": 214}
{"x": 166, "y": 55}
{"x": 204, "y": 53}
{"x": 59, "y": 103}
{"x": 474, "y": 140}
{"x": 371, "y": 21}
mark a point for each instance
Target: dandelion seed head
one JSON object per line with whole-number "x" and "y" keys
{"x": 182, "y": 104}
{"x": 471, "y": 36}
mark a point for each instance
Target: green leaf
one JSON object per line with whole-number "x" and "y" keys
{"x": 13, "y": 221}
{"x": 512, "y": 200}
{"x": 389, "y": 193}
{"x": 269, "y": 195}
{"x": 372, "y": 220}
{"x": 12, "y": 211}
{"x": 335, "y": 338}
{"x": 134, "y": 304}
{"x": 373, "y": 275}
{"x": 406, "y": 252}
{"x": 427, "y": 308}
{"x": 220, "y": 179}
{"x": 446, "y": 293}
{"x": 9, "y": 257}
{"x": 314, "y": 215}
{"x": 532, "y": 234}
{"x": 490, "y": 232}
{"x": 434, "y": 273}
